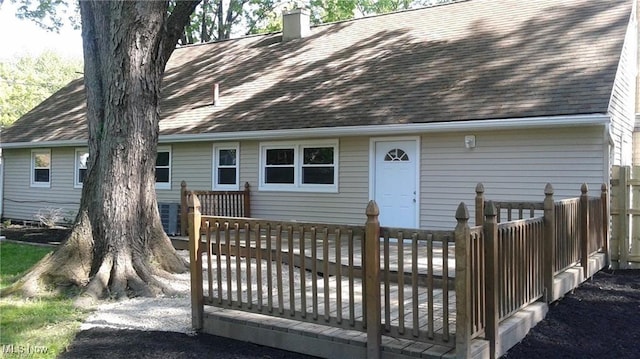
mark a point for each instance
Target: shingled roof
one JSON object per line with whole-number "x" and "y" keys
{"x": 473, "y": 60}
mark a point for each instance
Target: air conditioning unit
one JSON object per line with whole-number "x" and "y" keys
{"x": 169, "y": 217}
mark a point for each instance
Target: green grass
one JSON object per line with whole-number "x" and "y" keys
{"x": 33, "y": 325}
{"x": 17, "y": 258}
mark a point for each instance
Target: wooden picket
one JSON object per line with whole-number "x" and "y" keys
{"x": 625, "y": 217}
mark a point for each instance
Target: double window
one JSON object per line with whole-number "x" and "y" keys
{"x": 163, "y": 168}
{"x": 307, "y": 166}
{"x": 41, "y": 168}
{"x": 225, "y": 166}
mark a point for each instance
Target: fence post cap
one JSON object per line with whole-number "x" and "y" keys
{"x": 584, "y": 188}
{"x": 548, "y": 189}
{"x": 183, "y": 184}
{"x": 479, "y": 188}
{"x": 193, "y": 202}
{"x": 604, "y": 188}
{"x": 372, "y": 209}
{"x": 246, "y": 185}
{"x": 490, "y": 210}
{"x": 462, "y": 213}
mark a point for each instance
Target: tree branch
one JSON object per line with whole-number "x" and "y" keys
{"x": 174, "y": 28}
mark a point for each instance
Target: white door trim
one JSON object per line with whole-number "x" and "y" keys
{"x": 372, "y": 167}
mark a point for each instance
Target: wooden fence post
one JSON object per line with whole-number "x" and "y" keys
{"x": 462, "y": 236}
{"x": 584, "y": 230}
{"x": 183, "y": 209}
{"x": 479, "y": 204}
{"x": 604, "y": 199}
{"x": 492, "y": 315}
{"x": 372, "y": 281}
{"x": 549, "y": 245}
{"x": 195, "y": 266}
{"x": 247, "y": 200}
{"x": 624, "y": 204}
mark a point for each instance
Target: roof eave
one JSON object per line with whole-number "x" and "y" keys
{"x": 398, "y": 129}
{"x": 368, "y": 130}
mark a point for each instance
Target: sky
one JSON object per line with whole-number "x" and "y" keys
{"x": 23, "y": 37}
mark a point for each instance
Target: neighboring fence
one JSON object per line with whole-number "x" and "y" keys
{"x": 625, "y": 216}
{"x": 215, "y": 203}
{"x": 394, "y": 282}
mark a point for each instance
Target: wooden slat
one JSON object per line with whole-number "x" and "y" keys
{"x": 292, "y": 282}
{"x": 400, "y": 256}
{"x": 258, "y": 236}
{"x": 279, "y": 268}
{"x": 247, "y": 241}
{"x": 238, "y": 261}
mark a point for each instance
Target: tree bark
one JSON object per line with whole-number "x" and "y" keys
{"x": 117, "y": 243}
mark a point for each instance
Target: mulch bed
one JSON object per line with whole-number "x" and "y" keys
{"x": 38, "y": 235}
{"x": 110, "y": 343}
{"x": 601, "y": 319}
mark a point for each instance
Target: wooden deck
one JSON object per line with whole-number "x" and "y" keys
{"x": 243, "y": 297}
{"x": 336, "y": 290}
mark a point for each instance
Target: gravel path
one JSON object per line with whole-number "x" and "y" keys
{"x": 172, "y": 314}
{"x": 158, "y": 328}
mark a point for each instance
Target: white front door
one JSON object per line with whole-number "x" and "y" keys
{"x": 395, "y": 189}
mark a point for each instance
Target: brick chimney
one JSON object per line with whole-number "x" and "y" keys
{"x": 295, "y": 24}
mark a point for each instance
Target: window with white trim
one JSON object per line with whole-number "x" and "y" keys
{"x": 82, "y": 155}
{"x": 163, "y": 168}
{"x": 310, "y": 166}
{"x": 41, "y": 168}
{"x": 226, "y": 166}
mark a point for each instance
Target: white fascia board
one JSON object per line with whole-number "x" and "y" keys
{"x": 399, "y": 129}
{"x": 61, "y": 143}
{"x": 369, "y": 130}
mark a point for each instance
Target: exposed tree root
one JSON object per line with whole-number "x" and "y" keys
{"x": 122, "y": 272}
{"x": 67, "y": 267}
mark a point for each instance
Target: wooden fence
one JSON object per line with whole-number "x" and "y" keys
{"x": 392, "y": 281}
{"x": 215, "y": 203}
{"x": 625, "y": 217}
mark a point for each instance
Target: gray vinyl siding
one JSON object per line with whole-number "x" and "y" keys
{"x": 345, "y": 207}
{"x": 21, "y": 201}
{"x": 191, "y": 162}
{"x": 622, "y": 105}
{"x": 512, "y": 165}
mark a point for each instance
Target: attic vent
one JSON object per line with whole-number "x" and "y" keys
{"x": 215, "y": 93}
{"x": 295, "y": 24}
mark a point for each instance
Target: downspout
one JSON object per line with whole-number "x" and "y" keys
{"x": 608, "y": 153}
{"x": 635, "y": 158}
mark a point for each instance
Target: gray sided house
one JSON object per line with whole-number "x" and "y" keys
{"x": 411, "y": 109}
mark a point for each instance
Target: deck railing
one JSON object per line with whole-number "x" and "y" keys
{"x": 416, "y": 284}
{"x": 215, "y": 203}
{"x": 567, "y": 238}
{"x": 520, "y": 258}
{"x": 437, "y": 287}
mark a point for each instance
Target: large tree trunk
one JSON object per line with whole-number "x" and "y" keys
{"x": 117, "y": 244}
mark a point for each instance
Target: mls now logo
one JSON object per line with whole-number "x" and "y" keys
{"x": 23, "y": 349}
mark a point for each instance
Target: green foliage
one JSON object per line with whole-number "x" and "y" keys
{"x": 50, "y": 15}
{"x": 215, "y": 19}
{"x": 46, "y": 325}
{"x": 262, "y": 17}
{"x": 323, "y": 11}
{"x": 27, "y": 81}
